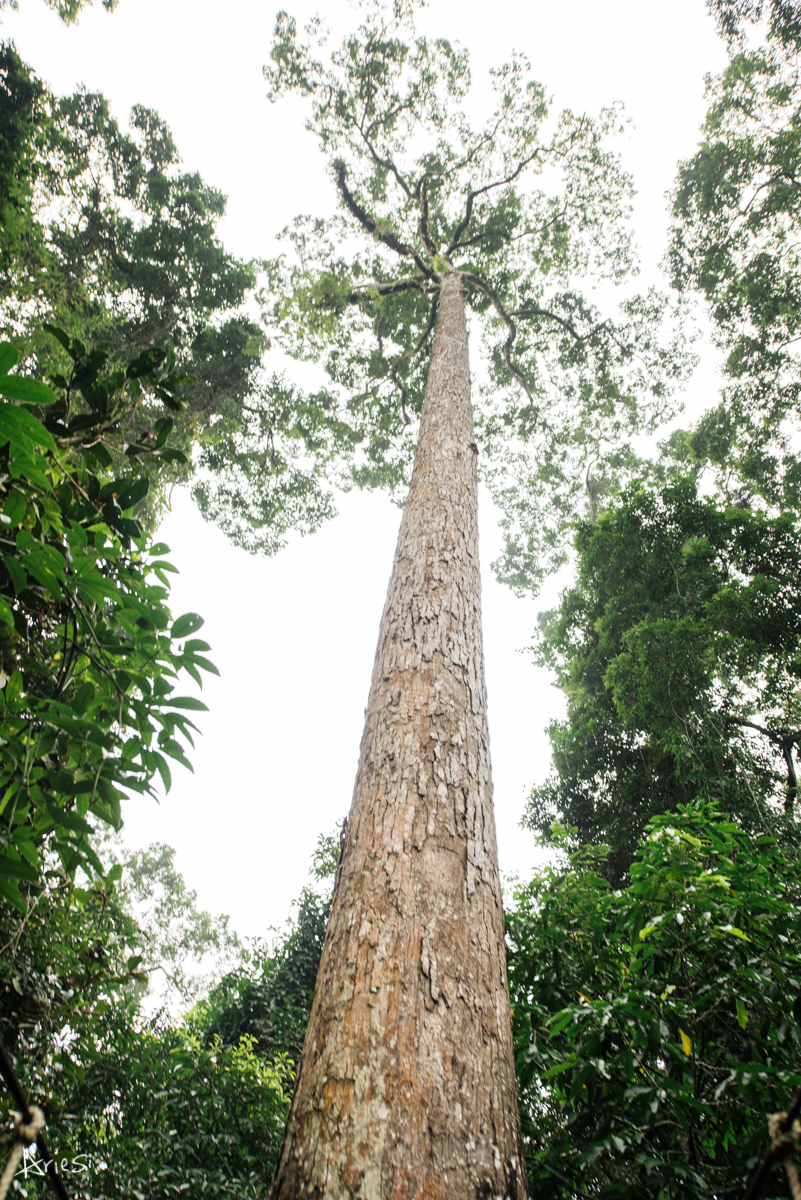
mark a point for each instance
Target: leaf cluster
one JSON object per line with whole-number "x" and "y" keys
{"x": 91, "y": 655}
{"x": 657, "y": 1027}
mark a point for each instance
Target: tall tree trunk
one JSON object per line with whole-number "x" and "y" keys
{"x": 406, "y": 1085}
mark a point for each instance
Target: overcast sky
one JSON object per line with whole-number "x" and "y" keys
{"x": 294, "y": 636}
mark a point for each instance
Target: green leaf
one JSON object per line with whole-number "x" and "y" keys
{"x": 13, "y": 688}
{"x": 10, "y": 892}
{"x": 15, "y": 508}
{"x": 58, "y": 334}
{"x": 27, "y": 391}
{"x": 738, "y": 933}
{"x": 13, "y": 867}
{"x": 186, "y": 624}
{"x": 20, "y": 428}
{"x": 205, "y": 664}
{"x": 188, "y": 702}
{"x": 742, "y": 1013}
{"x": 8, "y": 357}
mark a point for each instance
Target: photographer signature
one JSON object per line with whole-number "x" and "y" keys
{"x": 67, "y": 1166}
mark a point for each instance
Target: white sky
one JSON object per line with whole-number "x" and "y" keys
{"x": 294, "y": 636}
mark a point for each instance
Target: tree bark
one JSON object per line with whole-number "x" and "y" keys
{"x": 406, "y": 1086}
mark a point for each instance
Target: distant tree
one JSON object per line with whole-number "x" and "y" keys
{"x": 136, "y": 1103}
{"x": 677, "y": 649}
{"x": 737, "y": 214}
{"x": 269, "y": 999}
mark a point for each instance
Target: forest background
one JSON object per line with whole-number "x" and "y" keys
{"x": 687, "y": 1065}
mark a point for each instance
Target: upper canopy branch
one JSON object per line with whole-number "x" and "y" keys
{"x": 510, "y": 325}
{"x": 386, "y": 163}
{"x": 425, "y": 232}
{"x": 566, "y": 325}
{"x": 781, "y": 738}
{"x": 372, "y": 226}
{"x": 508, "y": 320}
{"x": 474, "y": 192}
{"x": 387, "y": 289}
{"x": 413, "y": 354}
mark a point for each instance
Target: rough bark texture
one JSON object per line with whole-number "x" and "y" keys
{"x": 406, "y": 1086}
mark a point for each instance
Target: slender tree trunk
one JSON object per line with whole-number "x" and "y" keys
{"x": 406, "y": 1087}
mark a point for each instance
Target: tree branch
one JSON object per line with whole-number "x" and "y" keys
{"x": 372, "y": 226}
{"x": 386, "y": 289}
{"x": 510, "y": 325}
{"x": 567, "y": 325}
{"x": 780, "y": 739}
{"x": 425, "y": 232}
{"x": 472, "y": 194}
{"x": 386, "y": 163}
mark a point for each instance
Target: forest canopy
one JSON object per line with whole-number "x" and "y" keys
{"x": 653, "y": 962}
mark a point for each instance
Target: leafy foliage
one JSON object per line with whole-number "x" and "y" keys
{"x": 127, "y": 252}
{"x": 782, "y": 17}
{"x": 678, "y": 649}
{"x": 106, "y": 236}
{"x": 135, "y": 1104}
{"x": 90, "y": 652}
{"x": 428, "y": 194}
{"x": 270, "y": 1000}
{"x": 68, "y": 10}
{"x": 656, "y": 1028}
{"x": 188, "y": 1116}
{"x": 22, "y": 102}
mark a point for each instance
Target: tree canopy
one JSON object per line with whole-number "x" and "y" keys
{"x": 734, "y": 241}
{"x": 678, "y": 650}
{"x": 105, "y": 235}
{"x": 68, "y": 10}
{"x": 427, "y": 193}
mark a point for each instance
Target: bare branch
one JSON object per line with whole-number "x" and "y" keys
{"x": 425, "y": 232}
